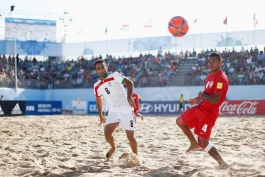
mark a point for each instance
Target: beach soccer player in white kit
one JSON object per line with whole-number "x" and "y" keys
{"x": 111, "y": 87}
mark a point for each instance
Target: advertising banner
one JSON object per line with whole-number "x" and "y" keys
{"x": 79, "y": 107}
{"x": 241, "y": 107}
{"x": 162, "y": 107}
{"x": 230, "y": 107}
{"x": 92, "y": 107}
{"x": 43, "y": 107}
{"x": 12, "y": 108}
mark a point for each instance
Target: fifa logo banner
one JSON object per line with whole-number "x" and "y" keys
{"x": 12, "y": 108}
{"x": 43, "y": 107}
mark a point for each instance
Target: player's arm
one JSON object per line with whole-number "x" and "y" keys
{"x": 219, "y": 89}
{"x": 99, "y": 105}
{"x": 213, "y": 99}
{"x": 130, "y": 86}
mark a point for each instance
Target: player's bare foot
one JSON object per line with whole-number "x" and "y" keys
{"x": 109, "y": 153}
{"x": 193, "y": 146}
{"x": 223, "y": 166}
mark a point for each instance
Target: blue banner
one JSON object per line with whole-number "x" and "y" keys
{"x": 43, "y": 107}
{"x": 162, "y": 107}
{"x": 92, "y": 107}
{"x": 31, "y": 48}
{"x": 30, "y": 21}
{"x": 2, "y": 47}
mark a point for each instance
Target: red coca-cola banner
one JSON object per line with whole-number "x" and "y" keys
{"x": 239, "y": 107}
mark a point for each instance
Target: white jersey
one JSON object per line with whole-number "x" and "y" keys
{"x": 113, "y": 91}
{"x": 105, "y": 107}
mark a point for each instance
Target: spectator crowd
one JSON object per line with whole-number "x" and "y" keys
{"x": 242, "y": 67}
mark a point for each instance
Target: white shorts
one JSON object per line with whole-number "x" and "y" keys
{"x": 125, "y": 117}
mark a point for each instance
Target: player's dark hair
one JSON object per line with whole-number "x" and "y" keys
{"x": 216, "y": 55}
{"x": 99, "y": 61}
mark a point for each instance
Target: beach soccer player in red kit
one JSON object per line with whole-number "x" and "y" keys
{"x": 136, "y": 98}
{"x": 202, "y": 117}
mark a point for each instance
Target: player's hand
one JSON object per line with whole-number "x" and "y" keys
{"x": 102, "y": 119}
{"x": 193, "y": 101}
{"x": 131, "y": 102}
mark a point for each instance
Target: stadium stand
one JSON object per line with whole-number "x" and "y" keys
{"x": 244, "y": 67}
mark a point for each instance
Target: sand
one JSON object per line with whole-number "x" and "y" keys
{"x": 71, "y": 145}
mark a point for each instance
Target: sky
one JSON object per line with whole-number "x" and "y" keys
{"x": 90, "y": 18}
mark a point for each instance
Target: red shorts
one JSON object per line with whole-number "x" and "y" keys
{"x": 201, "y": 119}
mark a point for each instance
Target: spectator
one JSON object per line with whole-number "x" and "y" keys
{"x": 260, "y": 58}
{"x": 194, "y": 67}
{"x": 260, "y": 76}
{"x": 160, "y": 52}
{"x": 242, "y": 50}
{"x": 256, "y": 50}
{"x": 50, "y": 84}
{"x": 202, "y": 78}
{"x": 240, "y": 77}
{"x": 234, "y": 80}
{"x": 246, "y": 78}
{"x": 79, "y": 81}
{"x": 194, "y": 54}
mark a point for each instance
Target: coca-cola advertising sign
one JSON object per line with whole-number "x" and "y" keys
{"x": 247, "y": 107}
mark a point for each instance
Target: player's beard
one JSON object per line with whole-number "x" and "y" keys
{"x": 103, "y": 75}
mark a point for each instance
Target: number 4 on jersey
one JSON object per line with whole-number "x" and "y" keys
{"x": 204, "y": 128}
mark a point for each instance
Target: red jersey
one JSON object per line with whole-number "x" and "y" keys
{"x": 135, "y": 98}
{"x": 215, "y": 83}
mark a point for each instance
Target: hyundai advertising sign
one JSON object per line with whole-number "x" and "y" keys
{"x": 43, "y": 107}
{"x": 161, "y": 107}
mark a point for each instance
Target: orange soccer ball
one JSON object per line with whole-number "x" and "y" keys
{"x": 178, "y": 26}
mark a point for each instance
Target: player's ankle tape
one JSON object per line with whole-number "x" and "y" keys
{"x": 209, "y": 146}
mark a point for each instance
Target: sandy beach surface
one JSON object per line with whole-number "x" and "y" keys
{"x": 72, "y": 145}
